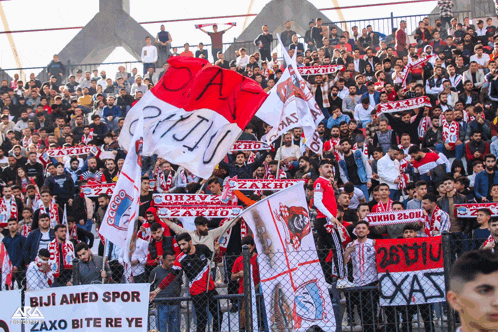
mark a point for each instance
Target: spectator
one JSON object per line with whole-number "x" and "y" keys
{"x": 56, "y": 68}
{"x": 14, "y": 242}
{"x": 39, "y": 275}
{"x": 201, "y": 52}
{"x": 402, "y": 41}
{"x": 287, "y": 34}
{"x": 264, "y": 42}
{"x": 186, "y": 51}
{"x": 38, "y": 239}
{"x": 437, "y": 220}
{"x": 92, "y": 269}
{"x": 476, "y": 149}
{"x": 169, "y": 313}
{"x": 163, "y": 41}
{"x": 388, "y": 167}
{"x": 484, "y": 180}
{"x": 216, "y": 39}
{"x": 355, "y": 168}
{"x": 149, "y": 55}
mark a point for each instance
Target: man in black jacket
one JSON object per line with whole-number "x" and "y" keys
{"x": 9, "y": 173}
{"x": 34, "y": 169}
{"x": 402, "y": 125}
{"x": 263, "y": 41}
{"x": 159, "y": 244}
{"x": 38, "y": 239}
{"x": 61, "y": 185}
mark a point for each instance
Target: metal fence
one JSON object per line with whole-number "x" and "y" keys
{"x": 225, "y": 309}
{"x": 383, "y": 26}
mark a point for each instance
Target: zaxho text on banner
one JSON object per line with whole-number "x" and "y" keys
{"x": 470, "y": 210}
{"x": 209, "y": 211}
{"x": 404, "y": 105}
{"x": 257, "y": 184}
{"x": 96, "y": 308}
{"x": 410, "y": 271}
{"x": 187, "y": 199}
{"x": 96, "y": 190}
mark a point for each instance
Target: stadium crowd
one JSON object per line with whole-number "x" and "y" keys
{"x": 427, "y": 158}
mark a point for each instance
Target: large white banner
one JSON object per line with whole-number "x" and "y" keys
{"x": 10, "y": 303}
{"x": 295, "y": 292}
{"x": 118, "y": 307}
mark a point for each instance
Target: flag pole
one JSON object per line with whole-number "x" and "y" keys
{"x": 214, "y": 251}
{"x": 106, "y": 246}
{"x": 278, "y": 165}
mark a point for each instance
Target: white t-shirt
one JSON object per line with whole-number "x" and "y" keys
{"x": 357, "y": 197}
{"x": 44, "y": 241}
{"x": 364, "y": 263}
{"x": 482, "y": 61}
{"x": 286, "y": 152}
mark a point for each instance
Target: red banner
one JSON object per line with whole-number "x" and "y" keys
{"x": 395, "y": 217}
{"x": 185, "y": 199}
{"x": 319, "y": 70}
{"x": 470, "y": 210}
{"x": 404, "y": 105}
{"x": 210, "y": 211}
{"x": 96, "y": 190}
{"x": 410, "y": 271}
{"x": 256, "y": 184}
{"x": 71, "y": 151}
{"x": 249, "y": 145}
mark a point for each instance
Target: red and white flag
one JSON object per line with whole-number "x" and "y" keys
{"x": 403, "y": 105}
{"x": 6, "y": 266}
{"x": 410, "y": 271}
{"x": 198, "y": 26}
{"x": 194, "y": 114}
{"x": 125, "y": 200}
{"x": 291, "y": 104}
{"x": 295, "y": 299}
{"x": 418, "y": 63}
{"x": 320, "y": 70}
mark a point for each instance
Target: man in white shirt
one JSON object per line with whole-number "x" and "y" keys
{"x": 388, "y": 167}
{"x": 39, "y": 275}
{"x": 480, "y": 57}
{"x": 149, "y": 55}
{"x": 362, "y": 254}
{"x": 288, "y": 153}
{"x": 362, "y": 112}
{"x": 242, "y": 60}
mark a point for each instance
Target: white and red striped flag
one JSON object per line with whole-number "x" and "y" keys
{"x": 194, "y": 114}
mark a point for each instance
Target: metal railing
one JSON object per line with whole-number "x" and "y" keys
{"x": 383, "y": 26}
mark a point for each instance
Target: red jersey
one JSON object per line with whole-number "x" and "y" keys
{"x": 323, "y": 185}
{"x": 381, "y": 207}
{"x": 239, "y": 266}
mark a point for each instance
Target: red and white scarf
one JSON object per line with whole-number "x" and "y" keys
{"x": 270, "y": 176}
{"x": 67, "y": 256}
{"x": 450, "y": 133}
{"x": 165, "y": 184}
{"x": 7, "y": 270}
{"x": 53, "y": 213}
{"x": 25, "y": 230}
{"x": 85, "y": 139}
{"x": 252, "y": 158}
{"x": 26, "y": 142}
{"x": 50, "y": 276}
{"x": 490, "y": 239}
{"x": 381, "y": 207}
{"x": 365, "y": 148}
{"x": 424, "y": 125}
{"x": 433, "y": 223}
{"x": 199, "y": 26}
{"x": 5, "y": 215}
{"x": 73, "y": 234}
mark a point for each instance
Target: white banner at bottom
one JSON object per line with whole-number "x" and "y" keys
{"x": 121, "y": 307}
{"x": 11, "y": 303}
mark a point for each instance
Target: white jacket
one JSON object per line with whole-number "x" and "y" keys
{"x": 388, "y": 171}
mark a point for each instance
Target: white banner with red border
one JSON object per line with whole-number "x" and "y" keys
{"x": 96, "y": 190}
{"x": 395, "y": 217}
{"x": 404, "y": 105}
{"x": 320, "y": 70}
{"x": 208, "y": 211}
{"x": 259, "y": 184}
{"x": 249, "y": 145}
{"x": 470, "y": 210}
{"x": 186, "y": 199}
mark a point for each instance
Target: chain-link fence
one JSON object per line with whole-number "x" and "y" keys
{"x": 395, "y": 285}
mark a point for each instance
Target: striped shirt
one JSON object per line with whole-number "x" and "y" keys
{"x": 430, "y": 161}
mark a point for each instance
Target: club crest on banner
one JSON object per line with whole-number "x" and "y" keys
{"x": 309, "y": 303}
{"x": 297, "y": 224}
{"x": 290, "y": 88}
{"x": 119, "y": 207}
